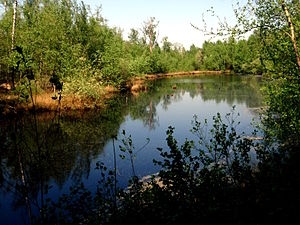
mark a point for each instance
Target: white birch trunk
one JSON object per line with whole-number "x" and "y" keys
{"x": 292, "y": 32}
{"x": 5, "y": 6}
{"x": 14, "y": 25}
{"x": 13, "y": 32}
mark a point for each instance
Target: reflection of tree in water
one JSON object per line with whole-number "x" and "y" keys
{"x": 234, "y": 89}
{"x": 229, "y": 89}
{"x": 37, "y": 152}
{"x": 31, "y": 160}
{"x": 167, "y": 97}
{"x": 143, "y": 107}
{"x": 152, "y": 113}
{"x": 34, "y": 158}
{"x": 197, "y": 90}
{"x": 166, "y": 101}
{"x": 174, "y": 96}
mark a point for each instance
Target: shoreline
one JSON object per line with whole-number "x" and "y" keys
{"x": 188, "y": 73}
{"x": 43, "y": 102}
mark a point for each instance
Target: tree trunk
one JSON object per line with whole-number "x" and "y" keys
{"x": 150, "y": 37}
{"x": 14, "y": 25}
{"x": 13, "y": 39}
{"x": 5, "y": 6}
{"x": 292, "y": 32}
{"x": 150, "y": 43}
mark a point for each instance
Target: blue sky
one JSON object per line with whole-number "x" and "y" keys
{"x": 174, "y": 16}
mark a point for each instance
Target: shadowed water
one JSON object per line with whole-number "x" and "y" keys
{"x": 43, "y": 156}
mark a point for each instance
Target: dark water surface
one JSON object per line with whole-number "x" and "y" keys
{"x": 43, "y": 158}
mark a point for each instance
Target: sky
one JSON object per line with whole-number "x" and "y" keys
{"x": 174, "y": 16}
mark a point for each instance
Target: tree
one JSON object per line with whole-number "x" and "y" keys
{"x": 133, "y": 36}
{"x": 277, "y": 23}
{"x": 166, "y": 44}
{"x": 292, "y": 31}
{"x": 13, "y": 37}
{"x": 5, "y": 4}
{"x": 273, "y": 21}
{"x": 150, "y": 33}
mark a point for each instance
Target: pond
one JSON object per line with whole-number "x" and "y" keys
{"x": 42, "y": 157}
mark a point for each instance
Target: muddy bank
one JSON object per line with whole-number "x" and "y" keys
{"x": 138, "y": 84}
{"x": 189, "y": 73}
{"x": 10, "y": 104}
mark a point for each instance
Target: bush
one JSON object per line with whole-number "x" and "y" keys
{"x": 209, "y": 181}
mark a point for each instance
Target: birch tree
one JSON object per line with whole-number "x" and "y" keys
{"x": 292, "y": 31}
{"x": 13, "y": 32}
{"x": 150, "y": 33}
{"x": 273, "y": 19}
{"x": 5, "y": 4}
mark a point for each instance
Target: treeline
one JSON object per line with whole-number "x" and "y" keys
{"x": 65, "y": 40}
{"x": 241, "y": 56}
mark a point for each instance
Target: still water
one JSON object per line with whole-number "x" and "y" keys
{"x": 42, "y": 157}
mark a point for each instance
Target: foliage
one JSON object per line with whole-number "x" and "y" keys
{"x": 283, "y": 119}
{"x": 240, "y": 56}
{"x": 64, "y": 38}
{"x": 211, "y": 179}
{"x": 279, "y": 57}
{"x": 271, "y": 50}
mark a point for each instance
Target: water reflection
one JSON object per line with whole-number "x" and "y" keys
{"x": 43, "y": 155}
